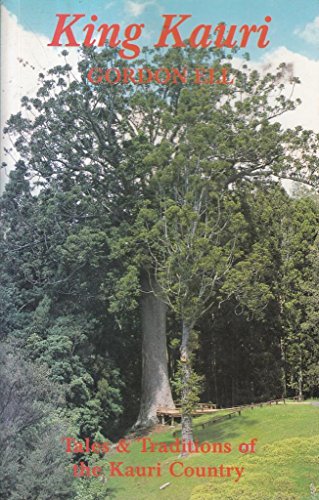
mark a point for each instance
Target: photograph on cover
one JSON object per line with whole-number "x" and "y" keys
{"x": 159, "y": 272}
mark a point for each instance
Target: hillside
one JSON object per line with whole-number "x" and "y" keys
{"x": 283, "y": 467}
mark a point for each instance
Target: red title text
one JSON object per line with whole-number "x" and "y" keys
{"x": 70, "y": 28}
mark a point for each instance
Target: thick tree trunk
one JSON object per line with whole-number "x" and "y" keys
{"x": 156, "y": 391}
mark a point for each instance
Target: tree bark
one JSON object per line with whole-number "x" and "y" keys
{"x": 187, "y": 427}
{"x": 300, "y": 379}
{"x": 156, "y": 390}
{"x": 283, "y": 363}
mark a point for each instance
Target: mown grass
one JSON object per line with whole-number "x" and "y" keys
{"x": 286, "y": 461}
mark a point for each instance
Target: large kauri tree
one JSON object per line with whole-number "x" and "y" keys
{"x": 178, "y": 151}
{"x": 192, "y": 233}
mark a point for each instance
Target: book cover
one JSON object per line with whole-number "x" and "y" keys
{"x": 159, "y": 250}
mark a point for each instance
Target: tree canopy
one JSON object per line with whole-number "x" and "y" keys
{"x": 147, "y": 218}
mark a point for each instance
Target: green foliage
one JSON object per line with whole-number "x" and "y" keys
{"x": 32, "y": 461}
{"x": 187, "y": 388}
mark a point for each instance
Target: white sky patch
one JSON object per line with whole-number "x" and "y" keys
{"x": 310, "y": 33}
{"x": 135, "y": 9}
{"x": 307, "y": 70}
{"x": 24, "y": 55}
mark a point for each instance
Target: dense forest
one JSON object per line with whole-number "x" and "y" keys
{"x": 150, "y": 254}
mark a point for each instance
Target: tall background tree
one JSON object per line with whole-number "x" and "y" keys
{"x": 129, "y": 199}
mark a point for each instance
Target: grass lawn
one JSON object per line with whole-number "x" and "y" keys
{"x": 286, "y": 461}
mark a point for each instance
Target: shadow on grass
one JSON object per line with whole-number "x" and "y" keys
{"x": 225, "y": 430}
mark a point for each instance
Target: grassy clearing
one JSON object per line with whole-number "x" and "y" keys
{"x": 286, "y": 461}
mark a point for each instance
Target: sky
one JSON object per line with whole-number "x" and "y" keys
{"x": 295, "y": 23}
{"x": 27, "y": 26}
